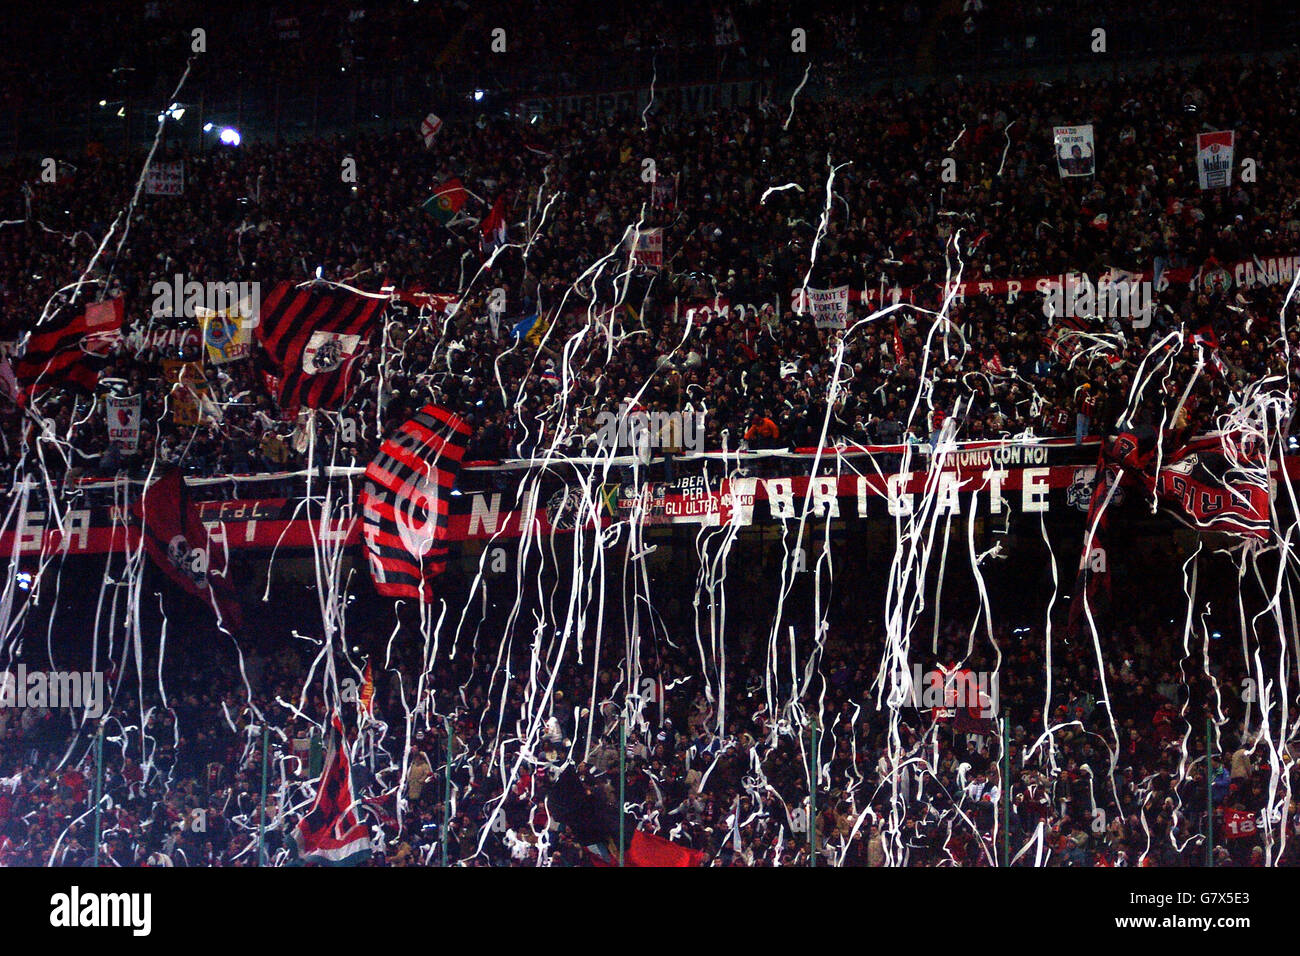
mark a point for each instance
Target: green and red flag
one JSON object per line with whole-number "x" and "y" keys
{"x": 447, "y": 201}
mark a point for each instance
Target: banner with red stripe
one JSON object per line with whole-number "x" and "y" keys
{"x": 332, "y": 833}
{"x": 404, "y": 502}
{"x": 71, "y": 350}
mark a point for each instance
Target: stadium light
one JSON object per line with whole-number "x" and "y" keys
{"x": 230, "y": 136}
{"x": 207, "y": 127}
{"x": 478, "y": 95}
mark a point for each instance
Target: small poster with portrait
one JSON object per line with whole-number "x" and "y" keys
{"x": 1075, "y": 155}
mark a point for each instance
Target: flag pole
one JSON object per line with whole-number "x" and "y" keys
{"x": 622, "y": 780}
{"x": 1006, "y": 791}
{"x": 261, "y": 809}
{"x": 812, "y": 800}
{"x": 1209, "y": 799}
{"x": 99, "y": 788}
{"x": 446, "y": 792}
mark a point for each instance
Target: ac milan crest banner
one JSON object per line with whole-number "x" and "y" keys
{"x": 315, "y": 337}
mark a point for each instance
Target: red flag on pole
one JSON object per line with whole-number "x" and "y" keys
{"x": 332, "y": 833}
{"x": 178, "y": 544}
{"x": 494, "y": 225}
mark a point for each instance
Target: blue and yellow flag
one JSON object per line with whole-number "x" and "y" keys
{"x": 530, "y": 328}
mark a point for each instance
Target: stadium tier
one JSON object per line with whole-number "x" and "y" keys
{"x": 573, "y": 434}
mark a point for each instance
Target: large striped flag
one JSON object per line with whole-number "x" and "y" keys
{"x": 404, "y": 502}
{"x": 332, "y": 833}
{"x": 71, "y": 350}
{"x": 315, "y": 338}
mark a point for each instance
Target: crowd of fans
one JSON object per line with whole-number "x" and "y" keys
{"x": 860, "y": 183}
{"x": 574, "y": 188}
{"x": 183, "y": 773}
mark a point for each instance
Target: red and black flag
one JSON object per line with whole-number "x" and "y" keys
{"x": 314, "y": 338}
{"x": 1217, "y": 482}
{"x": 332, "y": 832}
{"x": 1122, "y": 455}
{"x": 1213, "y": 490}
{"x": 71, "y": 350}
{"x": 178, "y": 543}
{"x": 404, "y": 502}
{"x": 1204, "y": 335}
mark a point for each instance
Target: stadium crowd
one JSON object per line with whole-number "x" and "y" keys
{"x": 745, "y": 197}
{"x": 574, "y": 187}
{"x": 183, "y": 776}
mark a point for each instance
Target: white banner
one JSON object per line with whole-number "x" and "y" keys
{"x": 165, "y": 179}
{"x": 1075, "y": 154}
{"x": 828, "y": 307}
{"x": 649, "y": 249}
{"x": 1214, "y": 159}
{"x": 430, "y": 127}
{"x": 124, "y": 421}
